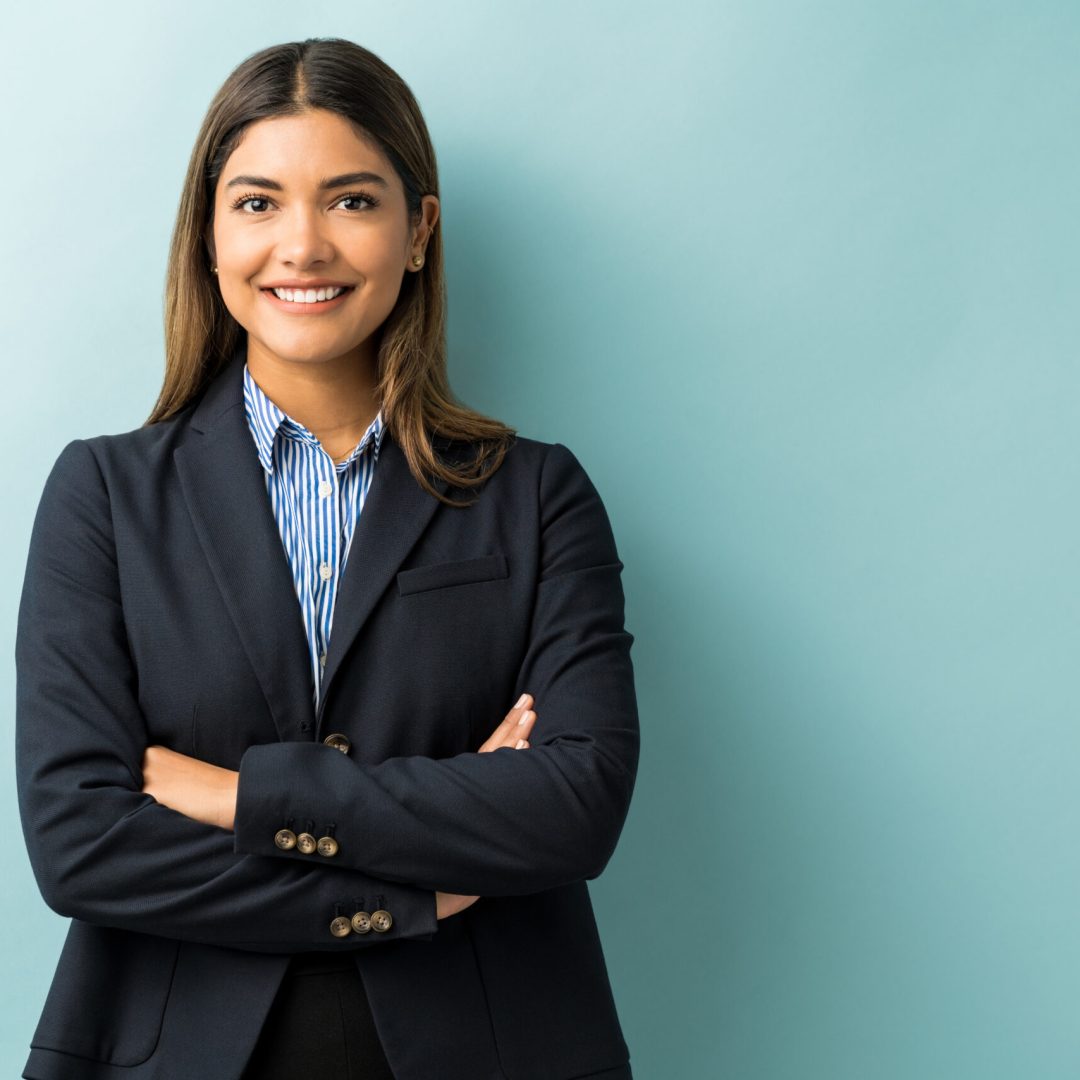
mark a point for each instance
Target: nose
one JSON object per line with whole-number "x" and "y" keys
{"x": 304, "y": 238}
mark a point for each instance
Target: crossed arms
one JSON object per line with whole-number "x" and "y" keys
{"x": 105, "y": 851}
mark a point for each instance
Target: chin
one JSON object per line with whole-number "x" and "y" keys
{"x": 308, "y": 351}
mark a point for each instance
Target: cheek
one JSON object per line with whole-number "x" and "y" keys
{"x": 379, "y": 254}
{"x": 240, "y": 261}
{"x": 239, "y": 299}
{"x": 383, "y": 271}
{"x": 245, "y": 253}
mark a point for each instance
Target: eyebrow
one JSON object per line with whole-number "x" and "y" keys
{"x": 330, "y": 182}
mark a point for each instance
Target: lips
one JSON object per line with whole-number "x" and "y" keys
{"x": 300, "y": 307}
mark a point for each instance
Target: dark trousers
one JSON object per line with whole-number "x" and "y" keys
{"x": 319, "y": 1025}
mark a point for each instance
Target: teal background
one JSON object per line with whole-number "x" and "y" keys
{"x": 798, "y": 284}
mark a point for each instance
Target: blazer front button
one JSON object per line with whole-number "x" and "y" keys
{"x": 285, "y": 839}
{"x": 340, "y": 926}
{"x": 306, "y": 843}
{"x": 381, "y": 920}
{"x": 338, "y": 742}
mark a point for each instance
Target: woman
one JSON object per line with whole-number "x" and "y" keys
{"x": 286, "y": 852}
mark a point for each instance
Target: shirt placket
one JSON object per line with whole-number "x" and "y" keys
{"x": 326, "y": 548}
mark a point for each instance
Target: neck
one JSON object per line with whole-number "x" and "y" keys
{"x": 334, "y": 399}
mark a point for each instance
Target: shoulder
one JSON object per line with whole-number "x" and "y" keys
{"x": 574, "y": 525}
{"x": 558, "y": 469}
{"x": 141, "y": 450}
{"x": 537, "y": 457}
{"x": 552, "y": 476}
{"x": 537, "y": 470}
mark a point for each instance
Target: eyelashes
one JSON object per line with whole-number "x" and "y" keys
{"x": 357, "y": 195}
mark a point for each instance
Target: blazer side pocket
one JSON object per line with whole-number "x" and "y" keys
{"x": 458, "y": 572}
{"x": 108, "y": 995}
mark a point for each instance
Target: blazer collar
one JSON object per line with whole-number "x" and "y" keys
{"x": 224, "y": 486}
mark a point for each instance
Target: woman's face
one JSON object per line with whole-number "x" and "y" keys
{"x": 274, "y": 222}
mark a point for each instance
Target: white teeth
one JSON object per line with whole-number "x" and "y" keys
{"x": 308, "y": 296}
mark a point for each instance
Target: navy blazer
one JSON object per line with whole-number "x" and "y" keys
{"x": 158, "y": 607}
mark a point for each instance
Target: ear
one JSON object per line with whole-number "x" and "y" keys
{"x": 429, "y": 214}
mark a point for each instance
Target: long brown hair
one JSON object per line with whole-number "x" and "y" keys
{"x": 200, "y": 333}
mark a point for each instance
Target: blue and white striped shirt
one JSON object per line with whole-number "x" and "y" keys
{"x": 316, "y": 504}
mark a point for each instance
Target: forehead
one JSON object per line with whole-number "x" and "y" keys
{"x": 301, "y": 150}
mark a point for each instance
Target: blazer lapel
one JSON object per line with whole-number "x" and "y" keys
{"x": 224, "y": 486}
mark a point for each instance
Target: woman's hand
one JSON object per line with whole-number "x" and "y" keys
{"x": 515, "y": 728}
{"x": 512, "y": 732}
{"x": 195, "y": 788}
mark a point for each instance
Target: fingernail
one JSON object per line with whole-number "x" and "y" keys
{"x": 525, "y": 717}
{"x": 521, "y": 743}
{"x": 521, "y": 701}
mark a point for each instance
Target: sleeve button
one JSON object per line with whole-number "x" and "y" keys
{"x": 338, "y": 742}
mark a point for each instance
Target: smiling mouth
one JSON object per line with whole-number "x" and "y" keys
{"x": 313, "y": 306}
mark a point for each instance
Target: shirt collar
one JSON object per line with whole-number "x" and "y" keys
{"x": 266, "y": 420}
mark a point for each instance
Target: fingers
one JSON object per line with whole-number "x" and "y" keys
{"x": 520, "y": 720}
{"x": 515, "y": 728}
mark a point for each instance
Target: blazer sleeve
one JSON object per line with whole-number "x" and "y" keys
{"x": 508, "y": 821}
{"x": 101, "y": 849}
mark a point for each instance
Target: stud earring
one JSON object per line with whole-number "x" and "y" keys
{"x": 213, "y": 269}
{"x": 418, "y": 260}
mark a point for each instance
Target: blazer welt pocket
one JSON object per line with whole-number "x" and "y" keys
{"x": 458, "y": 572}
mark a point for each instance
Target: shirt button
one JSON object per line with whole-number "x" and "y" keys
{"x": 326, "y": 572}
{"x": 325, "y": 488}
{"x": 322, "y": 659}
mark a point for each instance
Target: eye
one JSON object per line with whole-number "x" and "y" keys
{"x": 361, "y": 196}
{"x": 248, "y": 198}
{"x": 355, "y": 196}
